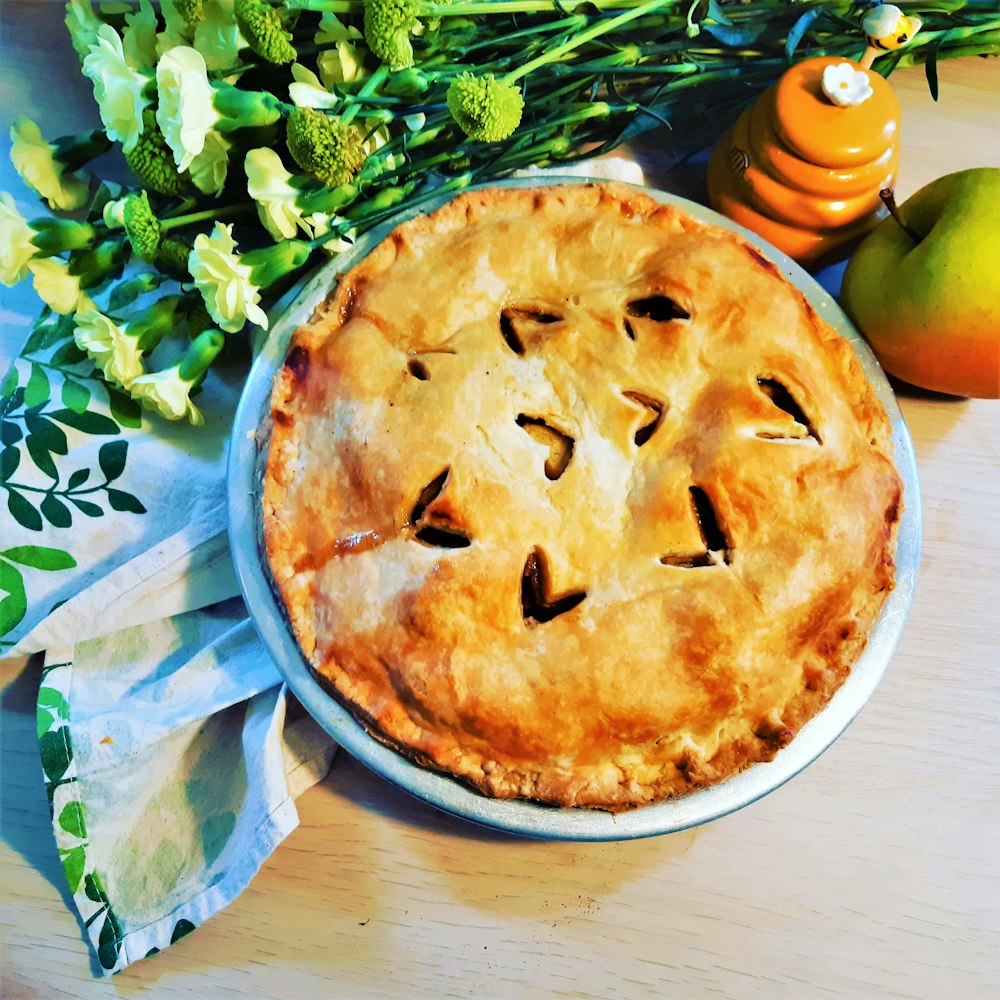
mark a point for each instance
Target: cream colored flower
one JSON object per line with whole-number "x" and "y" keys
{"x": 267, "y": 184}
{"x": 112, "y": 349}
{"x": 16, "y": 248}
{"x": 217, "y": 36}
{"x": 118, "y": 88}
{"x": 168, "y": 394}
{"x": 322, "y": 223}
{"x": 224, "y": 282}
{"x": 55, "y": 286}
{"x": 846, "y": 86}
{"x": 343, "y": 64}
{"x": 307, "y": 91}
{"x": 209, "y": 168}
{"x": 34, "y": 159}
{"x": 185, "y": 113}
{"x": 139, "y": 36}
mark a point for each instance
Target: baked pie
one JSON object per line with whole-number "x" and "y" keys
{"x": 576, "y": 498}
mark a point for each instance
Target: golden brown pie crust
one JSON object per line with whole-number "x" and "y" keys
{"x": 576, "y": 498}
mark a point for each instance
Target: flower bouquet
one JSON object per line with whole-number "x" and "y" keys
{"x": 265, "y": 135}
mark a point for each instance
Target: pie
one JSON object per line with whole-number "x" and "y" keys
{"x": 576, "y": 498}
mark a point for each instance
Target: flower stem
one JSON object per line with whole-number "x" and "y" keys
{"x": 241, "y": 208}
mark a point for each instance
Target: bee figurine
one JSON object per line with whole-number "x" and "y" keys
{"x": 886, "y": 27}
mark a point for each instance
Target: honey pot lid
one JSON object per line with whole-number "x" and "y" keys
{"x": 816, "y": 129}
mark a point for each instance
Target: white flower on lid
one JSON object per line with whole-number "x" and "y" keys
{"x": 845, "y": 85}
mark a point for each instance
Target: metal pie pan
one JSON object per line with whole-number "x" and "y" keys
{"x": 245, "y": 483}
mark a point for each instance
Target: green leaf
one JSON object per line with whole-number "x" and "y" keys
{"x": 14, "y": 606}
{"x": 37, "y": 390}
{"x": 22, "y": 511}
{"x": 108, "y": 943}
{"x": 78, "y": 478}
{"x": 798, "y": 30}
{"x": 94, "y": 888}
{"x": 56, "y": 753}
{"x": 75, "y": 396}
{"x": 10, "y": 433}
{"x": 51, "y": 698}
{"x": 125, "y": 409}
{"x": 40, "y": 557}
{"x": 88, "y": 423}
{"x": 40, "y": 455}
{"x": 68, "y": 354}
{"x": 122, "y": 501}
{"x": 9, "y": 382}
{"x": 51, "y": 436}
{"x": 930, "y": 71}
{"x": 56, "y": 512}
{"x": 45, "y": 336}
{"x": 73, "y": 862}
{"x": 10, "y": 459}
{"x": 71, "y": 819}
{"x": 112, "y": 458}
{"x": 43, "y": 720}
{"x": 86, "y": 507}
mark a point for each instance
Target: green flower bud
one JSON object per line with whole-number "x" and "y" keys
{"x": 152, "y": 161}
{"x": 54, "y": 236}
{"x": 142, "y": 226}
{"x": 94, "y": 265}
{"x": 486, "y": 109}
{"x": 156, "y": 322}
{"x": 266, "y": 35}
{"x": 324, "y": 147}
{"x": 173, "y": 255}
{"x": 269, "y": 264}
{"x": 327, "y": 200}
{"x": 410, "y": 82}
{"x": 200, "y": 354}
{"x": 388, "y": 26}
{"x": 244, "y": 108}
{"x": 388, "y": 197}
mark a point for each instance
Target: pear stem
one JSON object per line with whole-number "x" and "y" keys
{"x": 889, "y": 199}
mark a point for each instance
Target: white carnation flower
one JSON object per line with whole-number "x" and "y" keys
{"x": 343, "y": 64}
{"x": 115, "y": 352}
{"x": 83, "y": 25}
{"x": 16, "y": 248}
{"x": 168, "y": 394}
{"x": 307, "y": 91}
{"x": 225, "y": 283}
{"x": 217, "y": 36}
{"x": 267, "y": 184}
{"x": 209, "y": 168}
{"x": 34, "y": 159}
{"x": 55, "y": 286}
{"x": 118, "y": 88}
{"x": 185, "y": 112}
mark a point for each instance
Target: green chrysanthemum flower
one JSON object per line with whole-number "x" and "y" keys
{"x": 265, "y": 34}
{"x": 324, "y": 147}
{"x": 142, "y": 226}
{"x": 388, "y": 26}
{"x": 152, "y": 161}
{"x": 191, "y": 10}
{"x": 488, "y": 110}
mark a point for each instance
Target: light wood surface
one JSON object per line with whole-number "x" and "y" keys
{"x": 873, "y": 874}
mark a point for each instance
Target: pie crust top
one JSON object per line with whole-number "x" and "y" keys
{"x": 576, "y": 498}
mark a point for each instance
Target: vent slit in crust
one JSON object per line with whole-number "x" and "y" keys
{"x": 559, "y": 443}
{"x": 781, "y": 396}
{"x": 654, "y": 415}
{"x": 538, "y": 604}
{"x": 718, "y": 549}
{"x": 658, "y": 308}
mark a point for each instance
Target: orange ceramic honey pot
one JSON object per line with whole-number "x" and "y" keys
{"x": 804, "y": 165}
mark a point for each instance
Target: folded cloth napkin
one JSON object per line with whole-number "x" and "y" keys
{"x": 171, "y": 750}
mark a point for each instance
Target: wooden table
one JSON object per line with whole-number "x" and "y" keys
{"x": 872, "y": 874}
